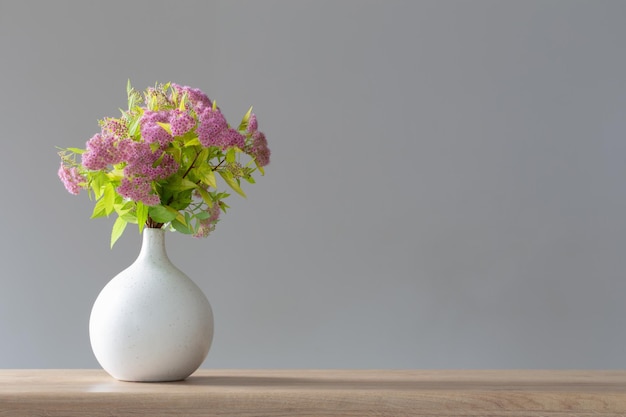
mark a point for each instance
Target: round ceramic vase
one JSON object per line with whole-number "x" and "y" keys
{"x": 151, "y": 322}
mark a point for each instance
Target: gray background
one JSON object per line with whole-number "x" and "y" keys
{"x": 447, "y": 189}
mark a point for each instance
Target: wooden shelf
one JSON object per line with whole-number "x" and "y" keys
{"x": 294, "y": 393}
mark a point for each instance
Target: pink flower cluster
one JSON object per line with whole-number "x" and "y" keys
{"x": 258, "y": 148}
{"x": 71, "y": 178}
{"x": 214, "y": 131}
{"x": 195, "y": 97}
{"x": 151, "y": 131}
{"x": 102, "y": 151}
{"x": 208, "y": 225}
{"x": 181, "y": 122}
{"x": 143, "y": 165}
{"x": 142, "y": 169}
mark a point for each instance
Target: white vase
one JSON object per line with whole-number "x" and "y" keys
{"x": 151, "y": 322}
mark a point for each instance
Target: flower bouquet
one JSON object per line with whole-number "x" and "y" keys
{"x": 158, "y": 164}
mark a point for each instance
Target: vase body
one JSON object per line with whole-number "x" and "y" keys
{"x": 151, "y": 322}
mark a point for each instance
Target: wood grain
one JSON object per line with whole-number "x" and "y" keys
{"x": 295, "y": 393}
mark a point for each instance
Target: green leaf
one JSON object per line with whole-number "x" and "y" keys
{"x": 97, "y": 184}
{"x": 206, "y": 197}
{"x": 133, "y": 129}
{"x": 77, "y": 150}
{"x": 203, "y": 215}
{"x": 260, "y": 168}
{"x": 108, "y": 198}
{"x": 129, "y": 218}
{"x": 207, "y": 176}
{"x": 203, "y": 156}
{"x": 187, "y": 184}
{"x": 99, "y": 209}
{"x": 228, "y": 177}
{"x": 181, "y": 184}
{"x": 231, "y": 156}
{"x": 166, "y": 126}
{"x": 118, "y": 229}
{"x": 183, "y": 100}
{"x": 180, "y": 227}
{"x": 159, "y": 159}
{"x": 188, "y": 156}
{"x": 175, "y": 152}
{"x": 131, "y": 102}
{"x": 180, "y": 218}
{"x": 246, "y": 118}
{"x": 192, "y": 142}
{"x": 142, "y": 215}
{"x": 162, "y": 214}
{"x": 180, "y": 201}
{"x": 122, "y": 209}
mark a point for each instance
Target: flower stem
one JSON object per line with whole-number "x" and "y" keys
{"x": 218, "y": 165}
{"x": 152, "y": 224}
{"x": 191, "y": 166}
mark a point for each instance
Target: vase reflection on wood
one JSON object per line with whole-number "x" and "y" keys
{"x": 151, "y": 322}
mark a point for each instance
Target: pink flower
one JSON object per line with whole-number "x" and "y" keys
{"x": 101, "y": 152}
{"x": 181, "y": 122}
{"x": 212, "y": 124}
{"x": 71, "y": 178}
{"x": 262, "y": 157}
{"x": 151, "y": 131}
{"x": 259, "y": 150}
{"x": 208, "y": 225}
{"x": 253, "y": 125}
{"x": 141, "y": 162}
{"x": 142, "y": 169}
{"x": 195, "y": 97}
{"x": 138, "y": 189}
{"x": 231, "y": 138}
{"x": 259, "y": 140}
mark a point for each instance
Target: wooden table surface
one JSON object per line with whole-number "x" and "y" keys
{"x": 294, "y": 393}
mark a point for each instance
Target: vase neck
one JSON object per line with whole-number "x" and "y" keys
{"x": 153, "y": 245}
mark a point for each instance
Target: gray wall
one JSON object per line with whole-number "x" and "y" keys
{"x": 447, "y": 190}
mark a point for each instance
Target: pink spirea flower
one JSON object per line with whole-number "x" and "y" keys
{"x": 71, "y": 178}
{"x": 231, "y": 138}
{"x": 212, "y": 124}
{"x": 141, "y": 161}
{"x": 208, "y": 225}
{"x": 259, "y": 149}
{"x": 181, "y": 122}
{"x": 151, "y": 131}
{"x": 141, "y": 170}
{"x": 195, "y": 97}
{"x": 101, "y": 152}
{"x": 138, "y": 189}
{"x": 253, "y": 125}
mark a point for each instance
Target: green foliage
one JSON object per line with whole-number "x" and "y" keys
{"x": 118, "y": 229}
